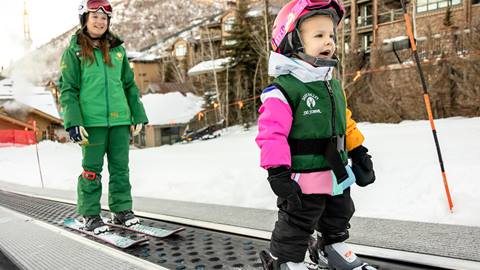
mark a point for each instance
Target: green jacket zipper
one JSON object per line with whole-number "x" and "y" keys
{"x": 106, "y": 94}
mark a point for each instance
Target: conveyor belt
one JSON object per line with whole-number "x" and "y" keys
{"x": 194, "y": 248}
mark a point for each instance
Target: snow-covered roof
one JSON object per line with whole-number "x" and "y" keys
{"x": 139, "y": 56}
{"x": 34, "y": 96}
{"x": 133, "y": 54}
{"x": 399, "y": 38}
{"x": 257, "y": 11}
{"x": 210, "y": 66}
{"x": 171, "y": 108}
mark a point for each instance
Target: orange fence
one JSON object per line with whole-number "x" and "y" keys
{"x": 17, "y": 137}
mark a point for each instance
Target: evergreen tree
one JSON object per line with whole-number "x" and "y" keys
{"x": 238, "y": 45}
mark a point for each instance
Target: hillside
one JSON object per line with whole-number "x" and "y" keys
{"x": 139, "y": 22}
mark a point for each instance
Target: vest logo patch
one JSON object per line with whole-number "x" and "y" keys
{"x": 311, "y": 100}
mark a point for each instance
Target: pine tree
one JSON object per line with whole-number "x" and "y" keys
{"x": 238, "y": 45}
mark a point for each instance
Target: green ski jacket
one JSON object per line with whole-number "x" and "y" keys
{"x": 95, "y": 94}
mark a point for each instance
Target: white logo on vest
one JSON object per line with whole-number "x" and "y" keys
{"x": 310, "y": 100}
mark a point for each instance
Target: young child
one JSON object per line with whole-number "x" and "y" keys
{"x": 306, "y": 136}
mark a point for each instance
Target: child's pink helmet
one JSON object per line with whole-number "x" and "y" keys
{"x": 287, "y": 20}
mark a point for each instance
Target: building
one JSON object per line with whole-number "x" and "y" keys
{"x": 23, "y": 107}
{"x": 368, "y": 23}
{"x": 168, "y": 115}
{"x": 374, "y": 42}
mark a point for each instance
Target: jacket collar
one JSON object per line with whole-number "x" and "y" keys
{"x": 278, "y": 64}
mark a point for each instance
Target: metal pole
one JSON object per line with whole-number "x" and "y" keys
{"x": 36, "y": 149}
{"x": 426, "y": 99}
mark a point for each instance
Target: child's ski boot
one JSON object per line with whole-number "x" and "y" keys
{"x": 126, "y": 218}
{"x": 94, "y": 224}
{"x": 337, "y": 256}
{"x": 269, "y": 262}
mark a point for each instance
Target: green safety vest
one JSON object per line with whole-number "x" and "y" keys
{"x": 319, "y": 113}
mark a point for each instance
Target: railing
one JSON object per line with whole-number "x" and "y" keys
{"x": 390, "y": 16}
{"x": 429, "y": 5}
{"x": 365, "y": 21}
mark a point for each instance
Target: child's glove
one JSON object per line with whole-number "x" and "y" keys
{"x": 284, "y": 187}
{"x": 78, "y": 134}
{"x": 362, "y": 166}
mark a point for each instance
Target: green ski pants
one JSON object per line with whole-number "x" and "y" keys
{"x": 113, "y": 141}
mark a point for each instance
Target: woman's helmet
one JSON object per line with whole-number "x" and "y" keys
{"x": 87, "y": 6}
{"x": 285, "y": 33}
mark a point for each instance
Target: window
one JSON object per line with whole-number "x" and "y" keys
{"x": 364, "y": 15}
{"x": 421, "y": 48}
{"x": 428, "y": 5}
{"x": 366, "y": 40}
{"x": 230, "y": 42}
{"x": 436, "y": 46}
{"x": 228, "y": 24}
{"x": 170, "y": 135}
{"x": 347, "y": 47}
{"x": 474, "y": 2}
{"x": 181, "y": 50}
{"x": 459, "y": 44}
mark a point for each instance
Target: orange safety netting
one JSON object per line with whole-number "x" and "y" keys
{"x": 14, "y": 137}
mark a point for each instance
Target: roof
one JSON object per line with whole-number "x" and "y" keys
{"x": 37, "y": 97}
{"x": 12, "y": 107}
{"x": 162, "y": 88}
{"x": 257, "y": 10}
{"x": 134, "y": 56}
{"x": 171, "y": 108}
{"x": 15, "y": 121}
{"x": 210, "y": 66}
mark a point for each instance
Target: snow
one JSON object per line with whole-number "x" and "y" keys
{"x": 226, "y": 171}
{"x": 210, "y": 66}
{"x": 258, "y": 11}
{"x": 171, "y": 108}
{"x": 399, "y": 38}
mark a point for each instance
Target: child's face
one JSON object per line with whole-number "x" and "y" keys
{"x": 317, "y": 36}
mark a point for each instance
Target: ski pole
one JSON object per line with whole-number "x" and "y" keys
{"x": 426, "y": 99}
{"x": 36, "y": 148}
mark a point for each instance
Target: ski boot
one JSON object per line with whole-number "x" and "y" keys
{"x": 337, "y": 256}
{"x": 269, "y": 262}
{"x": 94, "y": 224}
{"x": 125, "y": 218}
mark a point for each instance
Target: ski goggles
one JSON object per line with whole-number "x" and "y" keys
{"x": 95, "y": 5}
{"x": 317, "y": 4}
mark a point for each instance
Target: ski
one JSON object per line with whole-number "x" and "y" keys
{"x": 147, "y": 230}
{"x": 112, "y": 238}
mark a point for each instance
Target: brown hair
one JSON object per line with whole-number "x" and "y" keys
{"x": 87, "y": 45}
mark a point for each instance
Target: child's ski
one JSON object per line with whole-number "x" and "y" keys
{"x": 147, "y": 230}
{"x": 112, "y": 238}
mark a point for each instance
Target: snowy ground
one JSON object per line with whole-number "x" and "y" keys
{"x": 225, "y": 171}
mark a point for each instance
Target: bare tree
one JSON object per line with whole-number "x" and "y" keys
{"x": 212, "y": 58}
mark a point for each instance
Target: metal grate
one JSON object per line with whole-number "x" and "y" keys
{"x": 193, "y": 248}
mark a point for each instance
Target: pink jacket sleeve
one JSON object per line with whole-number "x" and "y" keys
{"x": 274, "y": 125}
